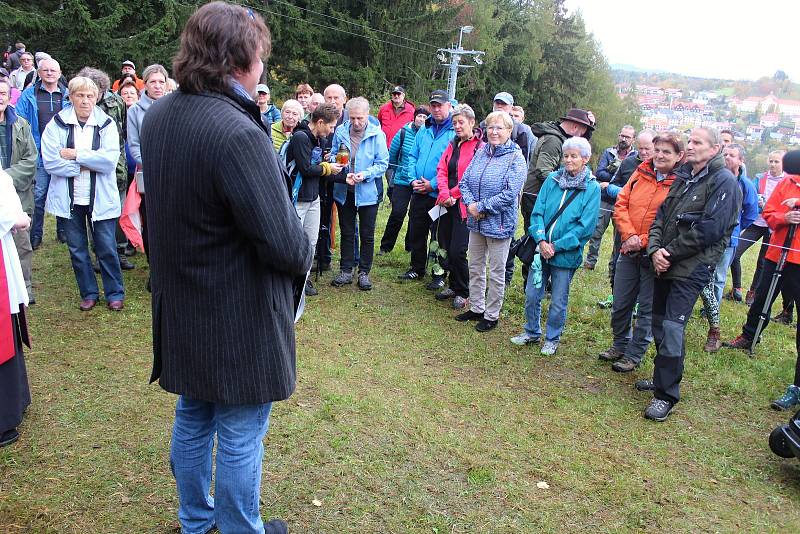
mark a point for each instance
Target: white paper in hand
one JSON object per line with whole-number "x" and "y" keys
{"x": 436, "y": 212}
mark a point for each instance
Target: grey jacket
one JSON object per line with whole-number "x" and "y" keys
{"x": 135, "y": 117}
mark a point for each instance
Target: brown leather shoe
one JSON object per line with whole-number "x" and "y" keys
{"x": 116, "y": 305}
{"x": 713, "y": 341}
{"x": 87, "y": 304}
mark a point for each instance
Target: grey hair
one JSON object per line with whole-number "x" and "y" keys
{"x": 628, "y": 127}
{"x": 152, "y": 69}
{"x": 647, "y": 131}
{"x": 99, "y": 78}
{"x": 464, "y": 109}
{"x": 578, "y": 143}
{"x": 292, "y": 103}
{"x": 711, "y": 133}
{"x": 358, "y": 102}
{"x": 739, "y": 148}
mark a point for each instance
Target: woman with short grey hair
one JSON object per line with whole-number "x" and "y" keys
{"x": 561, "y": 223}
{"x": 291, "y": 115}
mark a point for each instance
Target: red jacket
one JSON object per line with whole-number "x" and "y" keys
{"x": 775, "y": 215}
{"x": 391, "y": 122}
{"x": 466, "y": 152}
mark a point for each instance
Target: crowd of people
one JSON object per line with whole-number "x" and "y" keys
{"x": 683, "y": 210}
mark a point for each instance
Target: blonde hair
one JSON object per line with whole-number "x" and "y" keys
{"x": 82, "y": 83}
{"x": 501, "y": 117}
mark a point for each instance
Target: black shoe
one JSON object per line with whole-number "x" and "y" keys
{"x": 8, "y": 437}
{"x": 36, "y": 243}
{"x": 96, "y": 266}
{"x": 658, "y": 410}
{"x": 410, "y": 274}
{"x": 469, "y": 315}
{"x": 437, "y": 282}
{"x": 644, "y": 385}
{"x": 276, "y": 526}
{"x": 125, "y": 264}
{"x": 129, "y": 250}
{"x": 624, "y": 365}
{"x": 484, "y": 325}
{"x": 310, "y": 290}
{"x": 61, "y": 236}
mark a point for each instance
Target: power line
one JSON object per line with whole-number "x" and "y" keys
{"x": 363, "y": 26}
{"x": 264, "y": 10}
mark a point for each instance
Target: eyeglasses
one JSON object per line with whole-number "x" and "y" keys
{"x": 496, "y": 128}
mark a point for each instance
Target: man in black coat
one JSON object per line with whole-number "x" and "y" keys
{"x": 226, "y": 252}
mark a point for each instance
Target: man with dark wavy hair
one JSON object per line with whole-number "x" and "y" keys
{"x": 229, "y": 258}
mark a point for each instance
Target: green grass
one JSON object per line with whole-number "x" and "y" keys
{"x": 407, "y": 421}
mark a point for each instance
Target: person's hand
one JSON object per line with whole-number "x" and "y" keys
{"x": 68, "y": 153}
{"x": 359, "y": 177}
{"x": 547, "y": 250}
{"x": 350, "y": 180}
{"x": 603, "y": 185}
{"x": 22, "y": 224}
{"x": 632, "y": 244}
{"x": 660, "y": 261}
{"x": 450, "y": 202}
{"x": 472, "y": 209}
{"x": 791, "y": 202}
{"x": 423, "y": 186}
{"x": 336, "y": 168}
{"x": 792, "y": 217}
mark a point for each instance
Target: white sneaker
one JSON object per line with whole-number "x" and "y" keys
{"x": 524, "y": 339}
{"x": 549, "y": 348}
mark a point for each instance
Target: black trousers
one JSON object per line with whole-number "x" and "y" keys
{"x": 453, "y": 236}
{"x": 401, "y": 197}
{"x": 673, "y": 301}
{"x": 366, "y": 233}
{"x": 749, "y": 235}
{"x": 420, "y": 228}
{"x": 325, "y": 216}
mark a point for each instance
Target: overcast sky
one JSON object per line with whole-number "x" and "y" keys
{"x": 711, "y": 39}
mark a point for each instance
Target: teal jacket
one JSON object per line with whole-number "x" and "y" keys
{"x": 429, "y": 145}
{"x": 399, "y": 152}
{"x": 372, "y": 159}
{"x": 574, "y": 226}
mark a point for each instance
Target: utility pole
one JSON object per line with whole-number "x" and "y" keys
{"x": 456, "y": 54}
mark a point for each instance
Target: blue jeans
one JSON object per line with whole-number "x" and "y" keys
{"x": 240, "y": 431}
{"x": 557, "y": 314}
{"x": 721, "y": 272}
{"x": 40, "y": 187}
{"x": 105, "y": 243}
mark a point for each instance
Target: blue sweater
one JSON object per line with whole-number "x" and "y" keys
{"x": 494, "y": 180}
{"x": 574, "y": 226}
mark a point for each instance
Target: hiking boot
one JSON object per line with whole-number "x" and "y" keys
{"x": 607, "y": 303}
{"x": 658, "y": 410}
{"x": 644, "y": 385}
{"x": 739, "y": 342}
{"x": 437, "y": 282}
{"x": 484, "y": 325}
{"x": 125, "y": 264}
{"x": 784, "y": 317}
{"x": 713, "y": 341}
{"x": 789, "y": 400}
{"x": 364, "y": 283}
{"x": 310, "y": 290}
{"x": 343, "y": 278}
{"x": 549, "y": 348}
{"x": 624, "y": 365}
{"x": 469, "y": 315}
{"x": 750, "y": 297}
{"x": 524, "y": 339}
{"x": 735, "y": 294}
{"x": 611, "y": 354}
{"x": 445, "y": 294}
{"x": 410, "y": 274}
{"x": 459, "y": 303}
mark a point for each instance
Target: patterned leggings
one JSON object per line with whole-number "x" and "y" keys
{"x": 710, "y": 304}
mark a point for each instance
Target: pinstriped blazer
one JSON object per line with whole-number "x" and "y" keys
{"x": 225, "y": 245}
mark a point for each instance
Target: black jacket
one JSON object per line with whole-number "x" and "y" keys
{"x": 623, "y": 174}
{"x": 301, "y": 145}
{"x": 225, "y": 248}
{"x": 695, "y": 221}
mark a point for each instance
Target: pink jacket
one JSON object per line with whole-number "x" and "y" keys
{"x": 466, "y": 152}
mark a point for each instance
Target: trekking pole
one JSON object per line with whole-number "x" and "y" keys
{"x": 776, "y": 276}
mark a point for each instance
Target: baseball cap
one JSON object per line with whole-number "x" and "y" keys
{"x": 398, "y": 89}
{"x": 439, "y": 96}
{"x": 129, "y": 63}
{"x": 262, "y": 88}
{"x": 504, "y": 97}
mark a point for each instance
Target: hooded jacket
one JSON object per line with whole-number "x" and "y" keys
{"x": 401, "y": 147}
{"x": 493, "y": 180}
{"x": 775, "y": 214}
{"x": 101, "y": 161}
{"x": 391, "y": 121}
{"x": 638, "y": 202}
{"x": 22, "y": 151}
{"x": 372, "y": 159}
{"x": 546, "y": 156}
{"x": 695, "y": 221}
{"x": 464, "y": 154}
{"x": 573, "y": 228}
{"x": 429, "y": 145}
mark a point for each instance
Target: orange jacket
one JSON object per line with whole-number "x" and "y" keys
{"x": 139, "y": 84}
{"x": 775, "y": 215}
{"x": 638, "y": 202}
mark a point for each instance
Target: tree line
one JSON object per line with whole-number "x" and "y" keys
{"x": 535, "y": 49}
